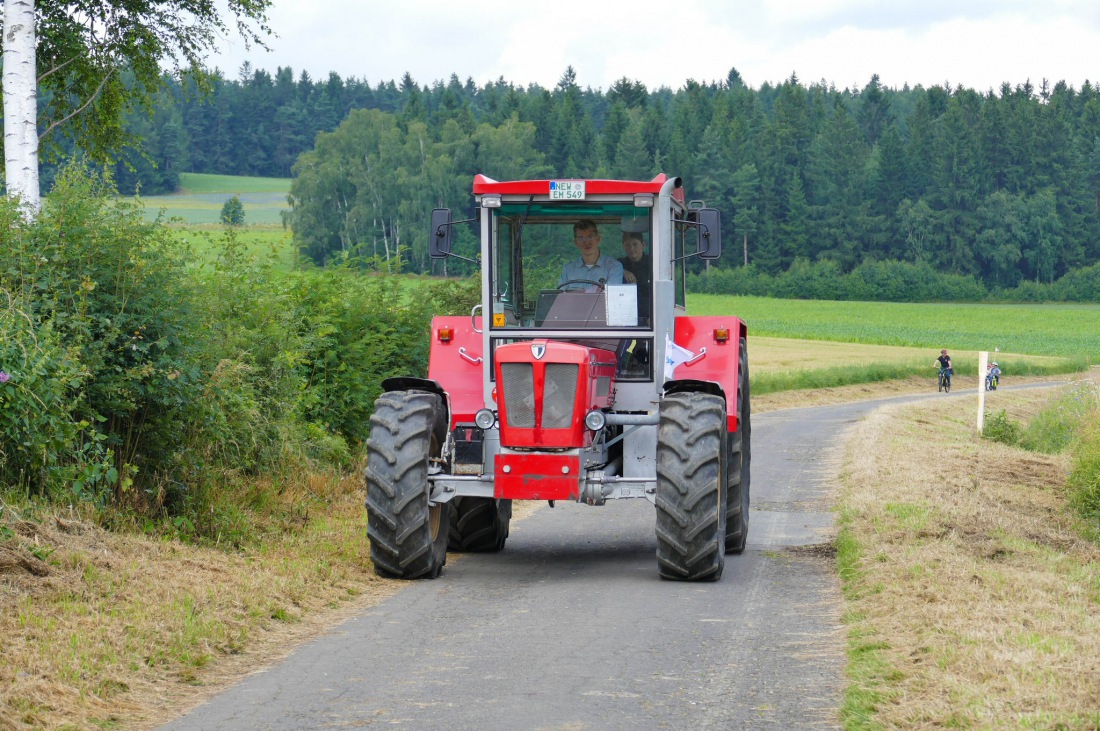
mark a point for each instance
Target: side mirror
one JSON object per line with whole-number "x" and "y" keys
{"x": 439, "y": 239}
{"x": 710, "y": 233}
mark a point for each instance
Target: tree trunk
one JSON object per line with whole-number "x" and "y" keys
{"x": 20, "y": 104}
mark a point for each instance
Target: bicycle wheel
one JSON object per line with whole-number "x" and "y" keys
{"x": 947, "y": 384}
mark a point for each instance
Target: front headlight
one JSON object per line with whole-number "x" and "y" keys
{"x": 595, "y": 420}
{"x": 485, "y": 419}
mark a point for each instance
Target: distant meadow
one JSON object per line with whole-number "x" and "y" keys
{"x": 202, "y": 196}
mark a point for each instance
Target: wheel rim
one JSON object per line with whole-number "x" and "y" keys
{"x": 435, "y": 516}
{"x": 435, "y": 512}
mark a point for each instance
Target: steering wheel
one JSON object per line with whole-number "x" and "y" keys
{"x": 594, "y": 283}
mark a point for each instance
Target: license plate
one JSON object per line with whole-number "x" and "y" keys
{"x": 566, "y": 190}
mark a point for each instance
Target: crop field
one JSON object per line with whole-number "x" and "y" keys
{"x": 1069, "y": 331}
{"x": 202, "y": 197}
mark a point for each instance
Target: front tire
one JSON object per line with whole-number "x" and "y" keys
{"x": 479, "y": 524}
{"x": 737, "y": 464}
{"x": 408, "y": 536}
{"x": 691, "y": 481}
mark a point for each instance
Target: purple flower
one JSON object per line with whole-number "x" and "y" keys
{"x": 4, "y": 377}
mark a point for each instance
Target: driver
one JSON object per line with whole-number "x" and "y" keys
{"x": 592, "y": 266}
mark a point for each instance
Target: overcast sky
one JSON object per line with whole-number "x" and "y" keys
{"x": 974, "y": 43}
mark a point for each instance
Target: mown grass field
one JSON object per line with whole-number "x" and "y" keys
{"x": 202, "y": 197}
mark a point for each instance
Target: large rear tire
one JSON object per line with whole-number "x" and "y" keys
{"x": 691, "y": 482}
{"x": 408, "y": 537}
{"x": 737, "y": 465}
{"x": 479, "y": 524}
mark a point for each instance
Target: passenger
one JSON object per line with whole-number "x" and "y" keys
{"x": 638, "y": 269}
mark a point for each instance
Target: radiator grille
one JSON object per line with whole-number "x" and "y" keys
{"x": 518, "y": 384}
{"x": 559, "y": 395}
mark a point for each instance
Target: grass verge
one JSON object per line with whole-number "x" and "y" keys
{"x": 972, "y": 599}
{"x": 114, "y": 629}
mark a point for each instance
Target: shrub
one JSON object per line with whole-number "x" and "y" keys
{"x": 39, "y": 391}
{"x": 1000, "y": 428}
{"x": 113, "y": 288}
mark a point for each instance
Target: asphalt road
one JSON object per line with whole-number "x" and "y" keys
{"x": 571, "y": 628}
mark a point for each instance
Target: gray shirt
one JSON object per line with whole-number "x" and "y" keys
{"x": 607, "y": 269}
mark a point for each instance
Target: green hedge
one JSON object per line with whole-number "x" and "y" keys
{"x": 136, "y": 377}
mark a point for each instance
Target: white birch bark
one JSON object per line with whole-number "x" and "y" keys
{"x": 20, "y": 104}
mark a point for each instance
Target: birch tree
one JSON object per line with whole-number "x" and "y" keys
{"x": 93, "y": 60}
{"x": 20, "y": 103}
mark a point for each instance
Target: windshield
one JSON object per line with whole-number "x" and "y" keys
{"x": 561, "y": 267}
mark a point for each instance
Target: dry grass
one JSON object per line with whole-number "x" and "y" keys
{"x": 971, "y": 600}
{"x": 123, "y": 631}
{"x": 790, "y": 354}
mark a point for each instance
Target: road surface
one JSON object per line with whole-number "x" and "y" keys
{"x": 571, "y": 628}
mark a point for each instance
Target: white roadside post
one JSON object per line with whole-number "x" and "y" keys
{"x": 983, "y": 359}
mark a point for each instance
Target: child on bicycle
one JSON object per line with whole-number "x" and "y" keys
{"x": 992, "y": 376}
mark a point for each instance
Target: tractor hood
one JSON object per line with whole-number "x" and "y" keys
{"x": 546, "y": 387}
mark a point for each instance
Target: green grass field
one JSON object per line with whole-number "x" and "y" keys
{"x": 200, "y": 183}
{"x": 1070, "y": 331}
{"x": 264, "y": 243}
{"x": 202, "y": 197}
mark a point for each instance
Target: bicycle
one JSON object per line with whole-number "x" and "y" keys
{"x": 945, "y": 380}
{"x": 991, "y": 382}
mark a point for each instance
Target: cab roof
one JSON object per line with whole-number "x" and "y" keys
{"x": 486, "y": 185}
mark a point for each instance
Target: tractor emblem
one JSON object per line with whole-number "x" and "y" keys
{"x": 538, "y": 350}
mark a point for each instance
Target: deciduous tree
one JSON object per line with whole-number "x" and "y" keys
{"x": 75, "y": 52}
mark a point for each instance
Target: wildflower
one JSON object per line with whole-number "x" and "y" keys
{"x": 4, "y": 377}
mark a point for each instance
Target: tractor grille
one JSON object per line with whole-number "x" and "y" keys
{"x": 559, "y": 395}
{"x": 518, "y": 384}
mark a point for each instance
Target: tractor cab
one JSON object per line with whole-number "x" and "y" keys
{"x": 557, "y": 271}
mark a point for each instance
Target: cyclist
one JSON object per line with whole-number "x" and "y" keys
{"x": 944, "y": 362}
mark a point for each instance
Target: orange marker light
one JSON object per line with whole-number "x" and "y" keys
{"x": 445, "y": 334}
{"x": 721, "y": 334}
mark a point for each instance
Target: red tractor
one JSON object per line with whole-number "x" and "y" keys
{"x": 579, "y": 377}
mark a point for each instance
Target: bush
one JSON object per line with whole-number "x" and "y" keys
{"x": 1000, "y": 428}
{"x": 40, "y": 443}
{"x": 111, "y": 287}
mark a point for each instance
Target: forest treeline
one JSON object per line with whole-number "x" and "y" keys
{"x": 1000, "y": 186}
